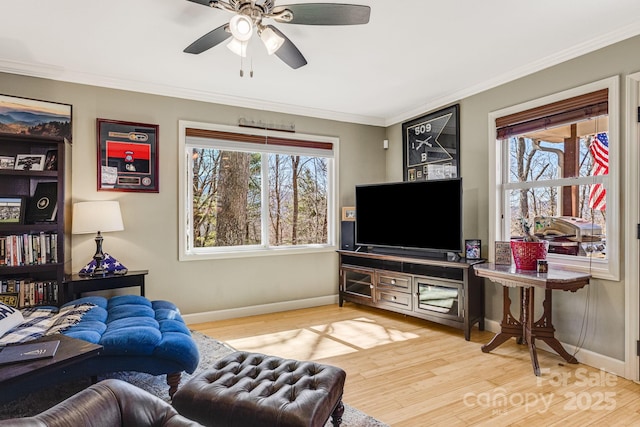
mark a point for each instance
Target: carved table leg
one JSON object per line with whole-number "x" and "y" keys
{"x": 527, "y": 313}
{"x": 545, "y": 331}
{"x": 510, "y": 327}
{"x": 522, "y": 339}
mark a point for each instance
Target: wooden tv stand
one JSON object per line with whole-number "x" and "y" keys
{"x": 439, "y": 290}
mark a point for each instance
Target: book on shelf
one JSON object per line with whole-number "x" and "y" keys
{"x": 27, "y": 292}
{"x": 28, "y": 249}
{"x": 27, "y": 352}
{"x": 43, "y": 206}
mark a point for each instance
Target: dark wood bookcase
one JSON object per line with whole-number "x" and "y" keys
{"x": 46, "y": 274}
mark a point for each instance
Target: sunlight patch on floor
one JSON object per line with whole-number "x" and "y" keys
{"x": 322, "y": 341}
{"x": 308, "y": 345}
{"x": 363, "y": 333}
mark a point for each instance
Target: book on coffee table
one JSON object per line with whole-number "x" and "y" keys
{"x": 26, "y": 352}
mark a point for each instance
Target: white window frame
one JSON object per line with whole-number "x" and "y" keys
{"x": 498, "y": 157}
{"x": 185, "y": 194}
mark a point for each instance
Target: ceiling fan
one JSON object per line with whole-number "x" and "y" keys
{"x": 250, "y": 14}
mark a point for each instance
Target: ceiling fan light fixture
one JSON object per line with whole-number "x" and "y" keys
{"x": 238, "y": 47}
{"x": 272, "y": 41}
{"x": 241, "y": 27}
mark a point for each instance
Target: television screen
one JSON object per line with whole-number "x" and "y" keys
{"x": 410, "y": 215}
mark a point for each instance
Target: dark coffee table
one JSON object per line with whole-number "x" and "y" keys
{"x": 17, "y": 379}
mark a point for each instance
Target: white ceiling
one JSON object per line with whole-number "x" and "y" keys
{"x": 412, "y": 57}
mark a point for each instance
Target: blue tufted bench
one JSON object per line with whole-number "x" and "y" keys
{"x": 137, "y": 335}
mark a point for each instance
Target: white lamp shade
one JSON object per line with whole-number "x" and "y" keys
{"x": 238, "y": 47}
{"x": 91, "y": 217}
{"x": 272, "y": 41}
{"x": 241, "y": 27}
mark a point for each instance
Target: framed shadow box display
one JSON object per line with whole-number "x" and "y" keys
{"x": 431, "y": 145}
{"x": 127, "y": 156}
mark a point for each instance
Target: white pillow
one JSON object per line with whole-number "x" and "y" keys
{"x": 9, "y": 318}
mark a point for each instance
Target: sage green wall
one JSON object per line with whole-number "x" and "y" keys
{"x": 150, "y": 239}
{"x": 604, "y": 326}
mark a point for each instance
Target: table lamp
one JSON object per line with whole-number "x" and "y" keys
{"x": 97, "y": 217}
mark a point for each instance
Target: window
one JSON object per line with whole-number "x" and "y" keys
{"x": 555, "y": 176}
{"x": 253, "y": 191}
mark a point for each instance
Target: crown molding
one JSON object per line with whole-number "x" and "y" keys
{"x": 47, "y": 71}
{"x": 517, "y": 73}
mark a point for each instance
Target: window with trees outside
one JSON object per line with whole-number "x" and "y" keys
{"x": 254, "y": 190}
{"x": 554, "y": 181}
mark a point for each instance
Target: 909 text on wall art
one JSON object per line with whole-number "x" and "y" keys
{"x": 432, "y": 146}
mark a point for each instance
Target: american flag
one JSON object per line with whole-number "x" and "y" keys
{"x": 599, "y": 149}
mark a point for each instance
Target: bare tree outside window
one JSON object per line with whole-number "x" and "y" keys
{"x": 227, "y": 199}
{"x": 541, "y": 191}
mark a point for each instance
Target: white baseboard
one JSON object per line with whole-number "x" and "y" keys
{"x": 231, "y": 313}
{"x": 585, "y": 357}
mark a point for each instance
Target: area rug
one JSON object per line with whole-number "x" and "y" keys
{"x": 210, "y": 351}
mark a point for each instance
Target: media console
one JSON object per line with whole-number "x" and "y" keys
{"x": 440, "y": 290}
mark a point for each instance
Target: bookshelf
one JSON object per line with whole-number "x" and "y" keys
{"x": 32, "y": 251}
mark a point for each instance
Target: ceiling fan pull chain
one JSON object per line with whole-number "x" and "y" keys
{"x": 241, "y": 70}
{"x": 251, "y": 73}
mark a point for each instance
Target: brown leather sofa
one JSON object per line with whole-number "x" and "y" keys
{"x": 108, "y": 403}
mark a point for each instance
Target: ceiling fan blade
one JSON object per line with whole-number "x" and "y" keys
{"x": 202, "y": 2}
{"x": 209, "y": 40}
{"x": 325, "y": 14}
{"x": 288, "y": 52}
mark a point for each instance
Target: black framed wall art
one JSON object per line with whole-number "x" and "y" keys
{"x": 127, "y": 156}
{"x": 431, "y": 145}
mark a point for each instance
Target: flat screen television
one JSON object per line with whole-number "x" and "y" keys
{"x": 416, "y": 215}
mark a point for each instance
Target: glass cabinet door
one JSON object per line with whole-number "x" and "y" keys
{"x": 358, "y": 282}
{"x": 439, "y": 298}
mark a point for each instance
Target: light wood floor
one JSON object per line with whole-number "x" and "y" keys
{"x": 410, "y": 372}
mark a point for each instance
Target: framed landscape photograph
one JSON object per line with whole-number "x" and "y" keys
{"x": 24, "y": 116}
{"x": 34, "y": 162}
{"x": 127, "y": 156}
{"x": 431, "y": 145}
{"x": 12, "y": 209}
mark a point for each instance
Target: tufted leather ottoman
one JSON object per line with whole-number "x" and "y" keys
{"x": 250, "y": 389}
